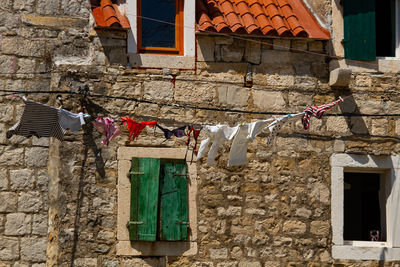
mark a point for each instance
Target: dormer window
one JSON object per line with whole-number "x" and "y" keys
{"x": 160, "y": 26}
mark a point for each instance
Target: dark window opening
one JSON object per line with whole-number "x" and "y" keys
{"x": 385, "y": 21}
{"x": 158, "y": 23}
{"x": 364, "y": 204}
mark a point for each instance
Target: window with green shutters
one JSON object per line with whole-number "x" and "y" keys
{"x": 158, "y": 208}
{"x": 370, "y": 29}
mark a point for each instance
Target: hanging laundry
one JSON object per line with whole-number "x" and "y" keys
{"x": 38, "y": 120}
{"x": 178, "y": 132}
{"x": 247, "y": 132}
{"x": 107, "y": 128}
{"x": 317, "y": 111}
{"x": 277, "y": 124}
{"x": 135, "y": 128}
{"x": 196, "y": 134}
{"x": 217, "y": 135}
{"x": 72, "y": 121}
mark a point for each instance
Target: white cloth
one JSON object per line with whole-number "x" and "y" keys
{"x": 277, "y": 124}
{"x": 247, "y": 132}
{"x": 217, "y": 135}
{"x": 71, "y": 120}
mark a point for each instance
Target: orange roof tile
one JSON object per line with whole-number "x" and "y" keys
{"x": 284, "y": 18}
{"x": 108, "y": 15}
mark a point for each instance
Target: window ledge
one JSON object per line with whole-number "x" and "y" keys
{"x": 365, "y": 253}
{"x": 159, "y": 248}
{"x": 161, "y": 61}
{"x": 365, "y": 244}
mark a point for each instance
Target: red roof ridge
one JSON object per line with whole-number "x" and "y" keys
{"x": 284, "y": 18}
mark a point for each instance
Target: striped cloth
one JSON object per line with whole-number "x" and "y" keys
{"x": 38, "y": 120}
{"x": 317, "y": 111}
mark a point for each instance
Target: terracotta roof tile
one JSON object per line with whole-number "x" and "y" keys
{"x": 108, "y": 15}
{"x": 284, "y": 18}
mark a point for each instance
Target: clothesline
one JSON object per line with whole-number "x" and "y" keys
{"x": 44, "y": 121}
{"x": 344, "y": 114}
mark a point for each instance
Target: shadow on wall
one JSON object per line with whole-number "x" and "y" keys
{"x": 114, "y": 44}
{"x": 356, "y": 125}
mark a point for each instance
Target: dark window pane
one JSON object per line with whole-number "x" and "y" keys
{"x": 362, "y": 213}
{"x": 154, "y": 32}
{"x": 385, "y": 28}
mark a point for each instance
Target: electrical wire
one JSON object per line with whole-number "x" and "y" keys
{"x": 186, "y": 106}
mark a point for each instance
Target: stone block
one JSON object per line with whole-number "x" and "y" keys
{"x": 8, "y": 202}
{"x": 340, "y": 77}
{"x": 33, "y": 249}
{"x": 39, "y": 225}
{"x": 30, "y": 202}
{"x": 294, "y": 227}
{"x": 275, "y": 58}
{"x": 230, "y": 211}
{"x": 9, "y": 249}
{"x": 233, "y": 95}
{"x": 223, "y": 40}
{"x": 227, "y": 264}
{"x": 336, "y": 125}
{"x": 3, "y": 179}
{"x": 205, "y": 48}
{"x": 316, "y": 46}
{"x": 18, "y": 224}
{"x": 236, "y": 252}
{"x": 232, "y": 53}
{"x": 249, "y": 264}
{"x": 303, "y": 212}
{"x": 21, "y": 179}
{"x": 320, "y": 192}
{"x": 300, "y": 45}
{"x": 281, "y": 44}
{"x": 380, "y": 127}
{"x": 158, "y": 90}
{"x": 36, "y": 156}
{"x": 252, "y": 52}
{"x": 47, "y": 7}
{"x": 26, "y": 65}
{"x": 218, "y": 253}
{"x": 22, "y": 47}
{"x": 266, "y": 100}
{"x": 6, "y": 113}
{"x": 320, "y": 228}
{"x": 24, "y": 5}
{"x": 7, "y": 64}
{"x": 42, "y": 179}
{"x": 254, "y": 211}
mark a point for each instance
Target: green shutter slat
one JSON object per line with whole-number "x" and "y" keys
{"x": 359, "y": 29}
{"x": 133, "y": 228}
{"x": 173, "y": 210}
{"x": 144, "y": 198}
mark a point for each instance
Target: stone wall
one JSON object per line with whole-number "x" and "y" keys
{"x": 275, "y": 211}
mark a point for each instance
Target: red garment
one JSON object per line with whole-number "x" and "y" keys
{"x": 196, "y": 134}
{"x": 135, "y": 128}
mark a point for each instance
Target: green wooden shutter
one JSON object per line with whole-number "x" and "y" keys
{"x": 173, "y": 203}
{"x": 359, "y": 29}
{"x": 144, "y": 199}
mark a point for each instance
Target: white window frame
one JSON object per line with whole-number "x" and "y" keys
{"x": 366, "y": 250}
{"x": 125, "y": 247}
{"x": 187, "y": 61}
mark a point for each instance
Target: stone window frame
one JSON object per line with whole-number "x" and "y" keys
{"x": 381, "y": 64}
{"x": 187, "y": 61}
{"x": 125, "y": 247}
{"x": 365, "y": 250}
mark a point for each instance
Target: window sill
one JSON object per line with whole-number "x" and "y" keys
{"x": 158, "y": 248}
{"x": 365, "y": 244}
{"x": 365, "y": 253}
{"x": 161, "y": 61}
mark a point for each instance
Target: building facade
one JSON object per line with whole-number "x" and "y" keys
{"x": 315, "y": 197}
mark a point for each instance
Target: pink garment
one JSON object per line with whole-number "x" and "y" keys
{"x": 106, "y": 127}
